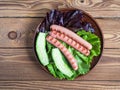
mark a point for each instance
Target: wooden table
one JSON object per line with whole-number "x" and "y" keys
{"x": 18, "y": 67}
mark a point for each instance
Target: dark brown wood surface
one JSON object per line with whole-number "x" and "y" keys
{"x": 20, "y": 70}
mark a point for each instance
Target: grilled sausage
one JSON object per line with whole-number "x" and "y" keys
{"x": 70, "y": 42}
{"x": 64, "y": 50}
{"x": 72, "y": 35}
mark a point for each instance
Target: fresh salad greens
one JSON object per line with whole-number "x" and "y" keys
{"x": 58, "y": 65}
{"x": 70, "y": 19}
{"x": 52, "y": 58}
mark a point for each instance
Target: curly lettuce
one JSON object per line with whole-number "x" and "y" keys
{"x": 83, "y": 61}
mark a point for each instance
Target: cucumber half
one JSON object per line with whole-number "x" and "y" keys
{"x": 59, "y": 62}
{"x": 41, "y": 48}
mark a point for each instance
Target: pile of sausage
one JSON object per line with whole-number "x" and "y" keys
{"x": 72, "y": 39}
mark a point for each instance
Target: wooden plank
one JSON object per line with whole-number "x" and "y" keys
{"x": 110, "y": 29}
{"x": 25, "y": 27}
{"x": 20, "y": 64}
{"x": 35, "y": 8}
{"x": 60, "y": 85}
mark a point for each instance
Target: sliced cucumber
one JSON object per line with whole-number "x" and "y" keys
{"x": 41, "y": 48}
{"x": 60, "y": 64}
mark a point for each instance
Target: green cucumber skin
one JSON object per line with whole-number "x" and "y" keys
{"x": 60, "y": 64}
{"x": 41, "y": 48}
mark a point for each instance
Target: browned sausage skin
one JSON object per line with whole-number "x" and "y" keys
{"x": 71, "y": 35}
{"x": 64, "y": 50}
{"x": 70, "y": 42}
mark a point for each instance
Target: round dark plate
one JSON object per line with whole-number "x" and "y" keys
{"x": 98, "y": 32}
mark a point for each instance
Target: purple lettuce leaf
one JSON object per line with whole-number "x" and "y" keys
{"x": 69, "y": 19}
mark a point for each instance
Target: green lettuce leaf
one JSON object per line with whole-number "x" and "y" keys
{"x": 83, "y": 61}
{"x": 51, "y": 69}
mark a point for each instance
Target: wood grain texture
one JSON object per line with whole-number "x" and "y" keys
{"x": 20, "y": 70}
{"x": 38, "y": 8}
{"x": 60, "y": 85}
{"x": 25, "y": 27}
{"x": 20, "y": 64}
